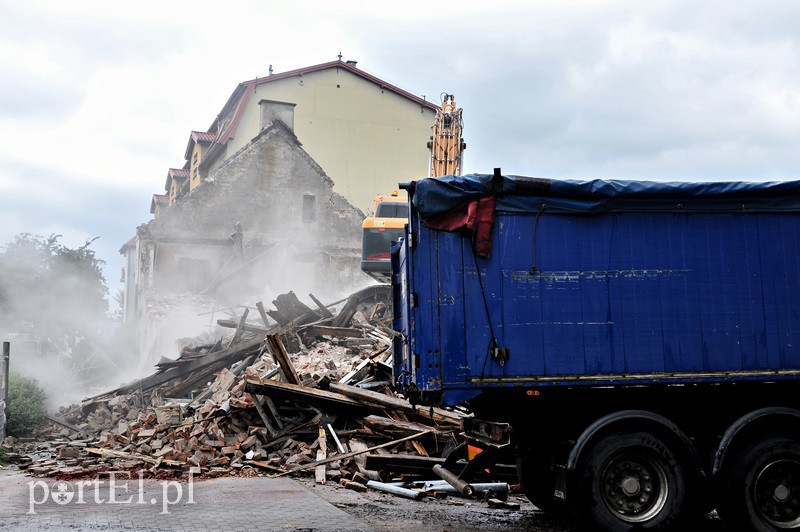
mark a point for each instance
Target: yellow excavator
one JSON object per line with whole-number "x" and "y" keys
{"x": 446, "y": 144}
{"x": 391, "y": 211}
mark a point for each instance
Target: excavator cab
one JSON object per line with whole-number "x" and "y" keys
{"x": 379, "y": 231}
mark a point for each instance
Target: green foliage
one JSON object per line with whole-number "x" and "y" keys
{"x": 26, "y": 406}
{"x": 48, "y": 289}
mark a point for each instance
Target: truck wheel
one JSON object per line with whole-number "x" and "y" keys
{"x": 763, "y": 487}
{"x": 538, "y": 481}
{"x": 632, "y": 481}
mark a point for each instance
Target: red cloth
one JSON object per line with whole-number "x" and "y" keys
{"x": 475, "y": 218}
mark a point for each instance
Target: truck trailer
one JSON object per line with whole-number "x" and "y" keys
{"x": 635, "y": 345}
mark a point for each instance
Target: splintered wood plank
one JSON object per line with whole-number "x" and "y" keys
{"x": 336, "y": 439}
{"x": 296, "y": 391}
{"x": 281, "y": 358}
{"x": 263, "y": 313}
{"x": 359, "y": 459}
{"x": 414, "y": 443}
{"x": 352, "y": 453}
{"x": 274, "y": 411}
{"x": 396, "y": 403}
{"x": 394, "y": 425}
{"x": 263, "y": 415}
{"x": 322, "y": 453}
{"x": 240, "y": 328}
{"x": 326, "y": 330}
{"x": 323, "y": 309}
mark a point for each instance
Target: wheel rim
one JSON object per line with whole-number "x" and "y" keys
{"x": 776, "y": 493}
{"x": 634, "y": 487}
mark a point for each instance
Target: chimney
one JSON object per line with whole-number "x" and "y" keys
{"x": 272, "y": 110}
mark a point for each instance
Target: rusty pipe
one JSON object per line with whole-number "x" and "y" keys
{"x": 462, "y": 486}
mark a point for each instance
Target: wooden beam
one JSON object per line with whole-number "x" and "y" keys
{"x": 273, "y": 411}
{"x": 341, "y": 332}
{"x": 358, "y": 373}
{"x": 339, "y": 445}
{"x": 385, "y": 423}
{"x": 322, "y": 454}
{"x": 325, "y": 312}
{"x": 239, "y": 328}
{"x": 401, "y": 416}
{"x": 281, "y": 357}
{"x": 63, "y": 423}
{"x": 367, "y": 396}
{"x": 263, "y": 415}
{"x": 247, "y": 327}
{"x": 294, "y": 391}
{"x": 263, "y": 313}
{"x": 264, "y": 465}
{"x": 352, "y": 454}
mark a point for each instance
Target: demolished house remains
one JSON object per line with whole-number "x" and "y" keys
{"x": 297, "y": 390}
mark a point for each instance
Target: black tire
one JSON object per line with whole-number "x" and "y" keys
{"x": 763, "y": 487}
{"x": 631, "y": 481}
{"x": 538, "y": 481}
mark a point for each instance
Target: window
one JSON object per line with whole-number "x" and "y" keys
{"x": 309, "y": 213}
{"x": 390, "y": 209}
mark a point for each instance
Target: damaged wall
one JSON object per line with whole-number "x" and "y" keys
{"x": 282, "y": 200}
{"x": 265, "y": 222}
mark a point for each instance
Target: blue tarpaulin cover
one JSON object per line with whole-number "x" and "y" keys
{"x": 438, "y": 195}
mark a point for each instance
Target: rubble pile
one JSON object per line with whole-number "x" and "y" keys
{"x": 244, "y": 405}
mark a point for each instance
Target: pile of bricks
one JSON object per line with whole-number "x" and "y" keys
{"x": 246, "y": 405}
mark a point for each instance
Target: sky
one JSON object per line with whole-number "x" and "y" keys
{"x": 98, "y": 98}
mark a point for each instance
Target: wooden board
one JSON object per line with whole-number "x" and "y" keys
{"x": 294, "y": 391}
{"x": 376, "y": 398}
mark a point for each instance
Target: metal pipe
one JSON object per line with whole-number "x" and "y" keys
{"x": 499, "y": 488}
{"x": 462, "y": 486}
{"x": 396, "y": 490}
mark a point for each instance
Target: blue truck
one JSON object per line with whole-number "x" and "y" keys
{"x": 635, "y": 345}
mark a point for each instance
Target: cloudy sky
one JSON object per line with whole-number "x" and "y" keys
{"x": 97, "y": 98}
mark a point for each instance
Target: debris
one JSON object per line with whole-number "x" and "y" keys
{"x": 322, "y": 454}
{"x": 351, "y": 454}
{"x": 336, "y": 439}
{"x": 396, "y": 490}
{"x": 505, "y": 505}
{"x": 353, "y": 485}
{"x": 263, "y": 400}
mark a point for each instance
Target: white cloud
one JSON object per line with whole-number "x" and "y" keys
{"x": 98, "y": 98}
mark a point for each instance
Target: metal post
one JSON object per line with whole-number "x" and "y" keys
{"x": 4, "y": 365}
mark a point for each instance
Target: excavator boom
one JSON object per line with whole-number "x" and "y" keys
{"x": 446, "y": 144}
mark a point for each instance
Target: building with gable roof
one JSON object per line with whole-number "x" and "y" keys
{"x": 276, "y": 189}
{"x": 367, "y": 133}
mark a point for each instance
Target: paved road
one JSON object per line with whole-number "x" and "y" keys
{"x": 217, "y": 504}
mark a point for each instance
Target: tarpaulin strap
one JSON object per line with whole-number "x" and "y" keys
{"x": 484, "y": 222}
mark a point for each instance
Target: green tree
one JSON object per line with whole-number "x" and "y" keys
{"x": 50, "y": 290}
{"x": 26, "y": 405}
